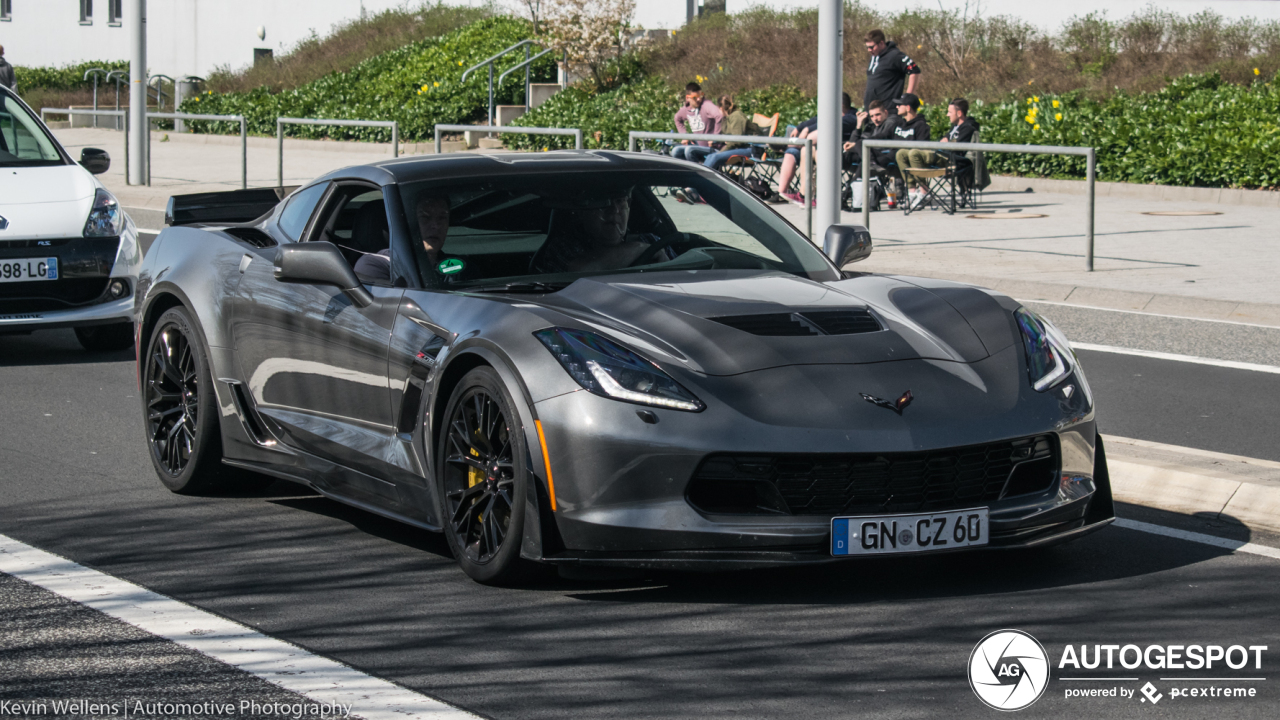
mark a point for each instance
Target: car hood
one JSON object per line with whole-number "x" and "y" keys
{"x": 671, "y": 315}
{"x": 45, "y": 202}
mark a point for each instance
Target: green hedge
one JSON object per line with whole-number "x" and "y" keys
{"x": 69, "y": 77}
{"x": 417, "y": 85}
{"x": 1197, "y": 131}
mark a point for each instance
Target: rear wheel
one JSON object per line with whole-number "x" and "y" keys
{"x": 106, "y": 338}
{"x": 482, "y": 480}
{"x": 180, "y": 410}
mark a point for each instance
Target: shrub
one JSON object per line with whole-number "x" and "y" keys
{"x": 67, "y": 78}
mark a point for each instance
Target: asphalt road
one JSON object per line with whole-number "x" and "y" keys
{"x": 884, "y": 638}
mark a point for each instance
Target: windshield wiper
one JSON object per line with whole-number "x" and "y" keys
{"x": 518, "y": 287}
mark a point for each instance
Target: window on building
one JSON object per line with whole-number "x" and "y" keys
{"x": 113, "y": 12}
{"x": 6, "y": 10}
{"x": 86, "y": 12}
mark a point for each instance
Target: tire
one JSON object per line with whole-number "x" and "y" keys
{"x": 180, "y": 409}
{"x": 481, "y": 480}
{"x": 106, "y": 338}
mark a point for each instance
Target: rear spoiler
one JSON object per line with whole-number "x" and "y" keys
{"x": 223, "y": 208}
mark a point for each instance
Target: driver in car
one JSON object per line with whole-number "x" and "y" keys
{"x": 433, "y": 225}
{"x": 592, "y": 238}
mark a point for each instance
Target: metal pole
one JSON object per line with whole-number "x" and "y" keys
{"x": 577, "y": 139}
{"x": 126, "y": 148}
{"x": 244, "y": 154}
{"x": 95, "y": 100}
{"x": 631, "y": 142}
{"x": 280, "y": 152}
{"x": 830, "y": 85}
{"x": 395, "y": 140}
{"x": 490, "y": 94}
{"x": 808, "y": 200}
{"x": 526, "y": 78}
{"x": 135, "y": 12}
{"x": 866, "y": 186}
{"x": 439, "y": 147}
{"x": 1091, "y": 162}
{"x": 148, "y": 153}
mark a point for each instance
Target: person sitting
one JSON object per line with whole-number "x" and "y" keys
{"x": 809, "y": 129}
{"x": 736, "y": 123}
{"x": 697, "y": 116}
{"x": 963, "y": 127}
{"x": 913, "y": 127}
{"x": 875, "y": 123}
{"x": 433, "y": 224}
{"x": 589, "y": 235}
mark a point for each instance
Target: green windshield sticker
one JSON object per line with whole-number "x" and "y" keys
{"x": 450, "y": 266}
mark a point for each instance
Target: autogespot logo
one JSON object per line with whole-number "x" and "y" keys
{"x": 1008, "y": 670}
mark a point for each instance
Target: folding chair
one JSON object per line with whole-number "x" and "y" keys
{"x": 939, "y": 189}
{"x": 741, "y": 167}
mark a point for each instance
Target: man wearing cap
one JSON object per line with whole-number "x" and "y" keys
{"x": 7, "y": 78}
{"x": 890, "y": 73}
{"x": 913, "y": 127}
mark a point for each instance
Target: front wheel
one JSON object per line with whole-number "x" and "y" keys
{"x": 481, "y": 480}
{"x": 106, "y": 338}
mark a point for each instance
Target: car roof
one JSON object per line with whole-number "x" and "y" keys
{"x": 462, "y": 165}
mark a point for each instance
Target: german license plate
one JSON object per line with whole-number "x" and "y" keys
{"x": 28, "y": 269}
{"x": 889, "y": 534}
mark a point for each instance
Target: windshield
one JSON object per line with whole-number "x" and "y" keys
{"x": 22, "y": 141}
{"x": 544, "y": 231}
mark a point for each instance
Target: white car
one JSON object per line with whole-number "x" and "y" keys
{"x": 69, "y": 255}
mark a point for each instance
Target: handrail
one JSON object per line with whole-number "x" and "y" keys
{"x": 119, "y": 76}
{"x": 523, "y": 43}
{"x": 244, "y": 139}
{"x": 508, "y": 129}
{"x": 111, "y": 113}
{"x": 95, "y": 72}
{"x": 1090, "y": 155}
{"x": 806, "y": 154}
{"x": 524, "y": 64}
{"x": 160, "y": 90}
{"x": 281, "y": 122}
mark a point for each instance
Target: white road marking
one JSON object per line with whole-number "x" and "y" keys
{"x": 1224, "y": 457}
{"x": 276, "y": 661}
{"x": 1143, "y": 312}
{"x": 1232, "y": 545}
{"x": 1178, "y": 358}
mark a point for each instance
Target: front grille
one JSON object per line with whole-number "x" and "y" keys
{"x": 874, "y": 483}
{"x": 849, "y": 321}
{"x": 50, "y": 295}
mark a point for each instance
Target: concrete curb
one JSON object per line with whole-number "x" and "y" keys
{"x": 1135, "y": 191}
{"x": 1173, "y": 487}
{"x": 1176, "y": 305}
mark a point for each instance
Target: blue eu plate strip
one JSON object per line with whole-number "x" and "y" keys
{"x": 51, "y": 268}
{"x": 839, "y": 537}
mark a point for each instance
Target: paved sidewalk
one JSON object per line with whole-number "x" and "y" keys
{"x": 1221, "y": 265}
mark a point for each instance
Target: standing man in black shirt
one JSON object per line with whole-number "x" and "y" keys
{"x": 890, "y": 73}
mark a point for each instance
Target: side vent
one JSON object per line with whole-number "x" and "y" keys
{"x": 809, "y": 322}
{"x": 253, "y": 423}
{"x": 253, "y": 236}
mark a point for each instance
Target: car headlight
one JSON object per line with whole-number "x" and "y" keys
{"x": 106, "y": 219}
{"x": 1050, "y": 358}
{"x": 607, "y": 369}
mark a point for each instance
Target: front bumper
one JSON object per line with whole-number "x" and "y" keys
{"x": 78, "y": 298}
{"x": 104, "y": 313}
{"x": 621, "y": 483}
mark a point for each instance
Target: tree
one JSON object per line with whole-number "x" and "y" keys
{"x": 589, "y": 32}
{"x": 533, "y": 8}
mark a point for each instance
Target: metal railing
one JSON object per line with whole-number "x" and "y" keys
{"x": 528, "y": 98}
{"x": 1090, "y": 155}
{"x": 806, "y": 154}
{"x": 110, "y": 113}
{"x": 281, "y": 122}
{"x": 509, "y": 130}
{"x": 244, "y": 138}
{"x": 490, "y": 60}
{"x": 95, "y": 73}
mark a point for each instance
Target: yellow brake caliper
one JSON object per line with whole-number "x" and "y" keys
{"x": 474, "y": 477}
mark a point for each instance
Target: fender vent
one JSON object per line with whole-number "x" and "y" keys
{"x": 809, "y": 322}
{"x": 253, "y": 236}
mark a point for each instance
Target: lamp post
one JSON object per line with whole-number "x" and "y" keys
{"x": 135, "y": 14}
{"x": 830, "y": 87}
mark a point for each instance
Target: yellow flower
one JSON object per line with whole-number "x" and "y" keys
{"x": 1036, "y": 126}
{"x": 545, "y": 149}
{"x": 459, "y": 63}
{"x": 1031, "y": 120}
{"x": 1036, "y": 98}
{"x": 424, "y": 87}
{"x": 1055, "y": 103}
{"x": 1031, "y": 81}
{"x": 1057, "y": 116}
{"x": 197, "y": 99}
{"x": 437, "y": 84}
{"x": 1028, "y": 101}
{"x": 1256, "y": 71}
{"x": 919, "y": 46}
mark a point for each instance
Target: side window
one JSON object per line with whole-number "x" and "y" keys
{"x": 355, "y": 219}
{"x": 294, "y": 218}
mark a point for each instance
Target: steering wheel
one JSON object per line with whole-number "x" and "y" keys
{"x": 682, "y": 242}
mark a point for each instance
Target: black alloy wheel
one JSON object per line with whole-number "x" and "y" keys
{"x": 482, "y": 480}
{"x": 180, "y": 409}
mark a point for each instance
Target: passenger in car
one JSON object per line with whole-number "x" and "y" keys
{"x": 583, "y": 239}
{"x": 432, "y": 214}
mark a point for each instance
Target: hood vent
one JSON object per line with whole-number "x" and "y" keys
{"x": 810, "y": 322}
{"x": 253, "y": 236}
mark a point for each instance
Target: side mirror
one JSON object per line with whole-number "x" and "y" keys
{"x": 95, "y": 161}
{"x": 320, "y": 263}
{"x": 846, "y": 244}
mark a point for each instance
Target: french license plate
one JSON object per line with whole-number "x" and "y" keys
{"x": 889, "y": 534}
{"x": 28, "y": 269}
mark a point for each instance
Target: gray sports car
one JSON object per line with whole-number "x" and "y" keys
{"x": 602, "y": 358}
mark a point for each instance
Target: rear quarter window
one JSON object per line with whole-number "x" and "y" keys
{"x": 299, "y": 209}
